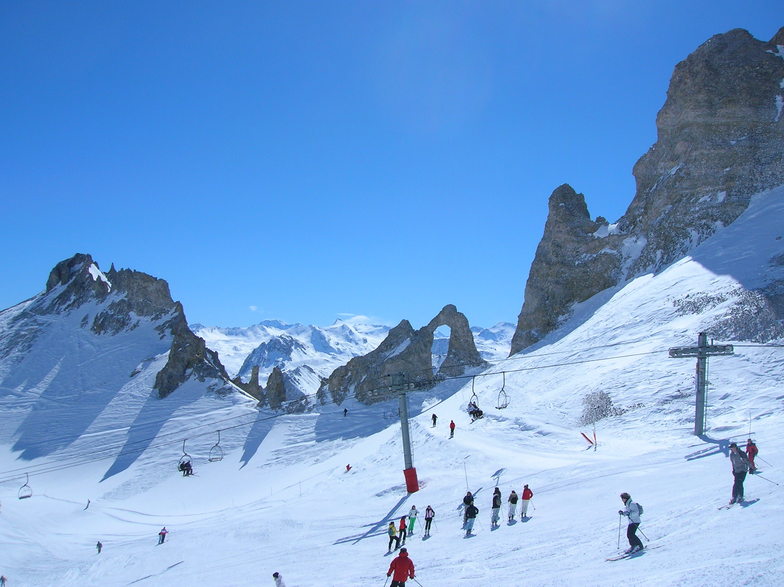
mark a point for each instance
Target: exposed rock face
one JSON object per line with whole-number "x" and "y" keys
{"x": 720, "y": 137}
{"x": 404, "y": 352}
{"x": 117, "y": 301}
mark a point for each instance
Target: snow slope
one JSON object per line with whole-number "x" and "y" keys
{"x": 281, "y": 499}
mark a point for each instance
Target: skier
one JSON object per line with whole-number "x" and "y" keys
{"x": 512, "y": 504}
{"x": 740, "y": 466}
{"x": 527, "y": 495}
{"x": 430, "y": 513}
{"x": 278, "y": 579}
{"x": 632, "y": 511}
{"x": 348, "y": 468}
{"x": 412, "y": 516}
{"x": 435, "y": 419}
{"x": 751, "y": 452}
{"x": 496, "y": 508}
{"x": 471, "y": 512}
{"x": 3, "y": 579}
{"x": 162, "y": 535}
{"x": 393, "y": 537}
{"x": 99, "y": 546}
{"x": 403, "y": 529}
{"x": 402, "y": 567}
{"x": 451, "y": 429}
{"x": 467, "y": 501}
{"x": 345, "y": 412}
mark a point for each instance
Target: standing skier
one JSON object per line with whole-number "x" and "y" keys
{"x": 162, "y": 535}
{"x": 278, "y": 579}
{"x": 471, "y": 512}
{"x": 435, "y": 419}
{"x": 512, "y": 504}
{"x": 527, "y": 495}
{"x": 430, "y": 513}
{"x": 412, "y": 516}
{"x": 451, "y": 429}
{"x": 393, "y": 537}
{"x": 632, "y": 511}
{"x": 468, "y": 500}
{"x": 496, "y": 508}
{"x": 751, "y": 452}
{"x": 740, "y": 466}
{"x": 98, "y": 547}
{"x": 403, "y": 529}
{"x": 402, "y": 567}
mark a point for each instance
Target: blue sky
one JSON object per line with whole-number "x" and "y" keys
{"x": 303, "y": 160}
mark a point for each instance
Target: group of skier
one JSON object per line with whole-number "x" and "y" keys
{"x": 470, "y": 511}
{"x": 405, "y": 527}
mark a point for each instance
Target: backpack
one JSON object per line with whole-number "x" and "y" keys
{"x": 639, "y": 507}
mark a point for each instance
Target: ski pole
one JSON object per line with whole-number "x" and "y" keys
{"x": 643, "y": 533}
{"x": 766, "y": 479}
{"x": 417, "y": 582}
{"x": 619, "y": 531}
{"x": 759, "y": 458}
{"x": 386, "y": 580}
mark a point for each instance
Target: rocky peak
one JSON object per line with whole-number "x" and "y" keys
{"x": 408, "y": 353}
{"x": 720, "y": 137}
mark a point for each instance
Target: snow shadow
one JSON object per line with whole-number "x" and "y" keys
{"x": 255, "y": 437}
{"x": 717, "y": 446}
{"x": 70, "y": 376}
{"x": 148, "y": 423}
{"x": 376, "y": 528}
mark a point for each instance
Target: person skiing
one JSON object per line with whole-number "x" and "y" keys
{"x": 393, "y": 537}
{"x": 527, "y": 495}
{"x": 3, "y": 580}
{"x": 632, "y": 511}
{"x": 403, "y": 529}
{"x": 345, "y": 412}
{"x": 451, "y": 429}
{"x": 402, "y": 567}
{"x": 430, "y": 513}
{"x": 278, "y": 579}
{"x": 468, "y": 499}
{"x": 512, "y": 504}
{"x": 162, "y": 535}
{"x": 471, "y": 512}
{"x": 99, "y": 546}
{"x": 751, "y": 452}
{"x": 435, "y": 419}
{"x": 412, "y": 516}
{"x": 740, "y": 466}
{"x": 496, "y": 508}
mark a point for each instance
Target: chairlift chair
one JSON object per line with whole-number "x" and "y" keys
{"x": 216, "y": 452}
{"x": 185, "y": 458}
{"x": 503, "y": 397}
{"x": 25, "y": 490}
{"x": 474, "y": 398}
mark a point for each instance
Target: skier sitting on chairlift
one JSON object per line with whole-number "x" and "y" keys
{"x": 474, "y": 411}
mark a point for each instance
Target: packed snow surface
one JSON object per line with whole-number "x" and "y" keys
{"x": 282, "y": 500}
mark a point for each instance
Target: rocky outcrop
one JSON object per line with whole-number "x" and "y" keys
{"x": 405, "y": 355}
{"x": 720, "y": 137}
{"x": 118, "y": 301}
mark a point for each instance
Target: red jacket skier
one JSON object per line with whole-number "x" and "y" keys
{"x": 527, "y": 493}
{"x": 751, "y": 452}
{"x": 403, "y": 569}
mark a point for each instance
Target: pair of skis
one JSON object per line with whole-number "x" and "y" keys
{"x": 635, "y": 554}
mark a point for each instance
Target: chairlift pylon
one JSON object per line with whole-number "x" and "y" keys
{"x": 216, "y": 452}
{"x": 503, "y": 397}
{"x": 25, "y": 490}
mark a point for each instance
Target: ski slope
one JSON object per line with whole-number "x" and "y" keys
{"x": 281, "y": 499}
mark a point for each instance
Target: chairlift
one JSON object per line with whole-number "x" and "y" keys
{"x": 503, "y": 397}
{"x": 216, "y": 452}
{"x": 25, "y": 490}
{"x": 474, "y": 397}
{"x": 185, "y": 459}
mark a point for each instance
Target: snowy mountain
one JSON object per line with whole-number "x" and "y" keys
{"x": 283, "y": 480}
{"x": 307, "y": 354}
